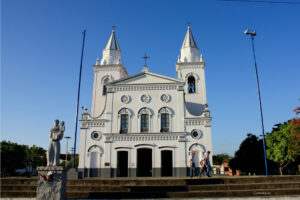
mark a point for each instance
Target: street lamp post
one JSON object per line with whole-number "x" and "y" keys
{"x": 259, "y": 99}
{"x": 67, "y": 137}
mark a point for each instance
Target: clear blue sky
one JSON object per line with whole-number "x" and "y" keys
{"x": 41, "y": 45}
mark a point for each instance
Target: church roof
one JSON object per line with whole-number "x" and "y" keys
{"x": 189, "y": 40}
{"x": 112, "y": 43}
{"x": 145, "y": 78}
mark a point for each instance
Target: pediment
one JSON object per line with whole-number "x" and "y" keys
{"x": 145, "y": 78}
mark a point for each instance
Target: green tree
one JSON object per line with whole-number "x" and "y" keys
{"x": 281, "y": 148}
{"x": 249, "y": 158}
{"x": 15, "y": 156}
{"x": 218, "y": 158}
{"x": 295, "y": 132}
{"x": 70, "y": 162}
{"x": 12, "y": 157}
{"x": 37, "y": 156}
{"x": 233, "y": 164}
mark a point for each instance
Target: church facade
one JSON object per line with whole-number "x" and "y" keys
{"x": 146, "y": 124}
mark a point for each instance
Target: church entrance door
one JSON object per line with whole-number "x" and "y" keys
{"x": 144, "y": 162}
{"x": 122, "y": 164}
{"x": 95, "y": 164}
{"x": 166, "y": 163}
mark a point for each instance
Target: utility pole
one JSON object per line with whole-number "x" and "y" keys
{"x": 78, "y": 95}
{"x": 259, "y": 99}
{"x": 67, "y": 152}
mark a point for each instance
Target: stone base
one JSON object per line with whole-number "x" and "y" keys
{"x": 74, "y": 174}
{"x": 51, "y": 189}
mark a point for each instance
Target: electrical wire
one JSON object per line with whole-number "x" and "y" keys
{"x": 264, "y": 1}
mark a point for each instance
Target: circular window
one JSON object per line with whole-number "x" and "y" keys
{"x": 125, "y": 99}
{"x": 196, "y": 134}
{"x": 96, "y": 136}
{"x": 145, "y": 98}
{"x": 165, "y": 98}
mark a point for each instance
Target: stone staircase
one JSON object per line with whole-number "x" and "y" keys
{"x": 139, "y": 188}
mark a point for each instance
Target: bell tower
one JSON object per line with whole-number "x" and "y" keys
{"x": 110, "y": 68}
{"x": 190, "y": 67}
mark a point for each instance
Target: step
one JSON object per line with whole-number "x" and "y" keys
{"x": 237, "y": 193}
{"x": 198, "y": 194}
{"x": 161, "y": 188}
{"x": 98, "y": 188}
{"x": 261, "y": 179}
{"x": 213, "y": 187}
{"x": 247, "y": 186}
{"x": 23, "y": 181}
{"x": 183, "y": 181}
{"x": 12, "y": 187}
{"x": 18, "y": 194}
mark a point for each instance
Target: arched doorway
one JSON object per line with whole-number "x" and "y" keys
{"x": 166, "y": 163}
{"x": 144, "y": 162}
{"x": 199, "y": 150}
{"x": 95, "y": 153}
{"x": 122, "y": 164}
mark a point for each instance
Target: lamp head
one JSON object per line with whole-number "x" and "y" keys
{"x": 246, "y": 32}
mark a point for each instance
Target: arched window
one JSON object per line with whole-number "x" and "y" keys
{"x": 105, "y": 79}
{"x": 104, "y": 86}
{"x": 165, "y": 121}
{"x": 165, "y": 125}
{"x": 191, "y": 84}
{"x": 124, "y": 116}
{"x": 144, "y": 123}
{"x": 145, "y": 114}
{"x": 124, "y": 123}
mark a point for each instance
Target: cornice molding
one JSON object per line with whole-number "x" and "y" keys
{"x": 92, "y": 123}
{"x": 143, "y": 137}
{"x": 181, "y": 67}
{"x": 191, "y": 63}
{"x": 144, "y": 87}
{"x": 198, "y": 121}
{"x": 113, "y": 67}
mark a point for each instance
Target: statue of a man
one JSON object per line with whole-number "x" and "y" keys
{"x": 56, "y": 134}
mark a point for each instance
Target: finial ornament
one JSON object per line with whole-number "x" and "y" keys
{"x": 85, "y": 109}
{"x": 113, "y": 27}
{"x": 97, "y": 61}
{"x": 189, "y": 24}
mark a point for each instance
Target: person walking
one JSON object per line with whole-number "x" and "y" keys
{"x": 206, "y": 166}
{"x": 203, "y": 168}
{"x": 192, "y": 165}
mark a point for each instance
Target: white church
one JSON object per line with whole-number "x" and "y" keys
{"x": 146, "y": 124}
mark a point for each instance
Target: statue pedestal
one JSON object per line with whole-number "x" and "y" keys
{"x": 52, "y": 184}
{"x": 73, "y": 174}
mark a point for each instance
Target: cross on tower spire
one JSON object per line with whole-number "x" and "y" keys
{"x": 189, "y": 24}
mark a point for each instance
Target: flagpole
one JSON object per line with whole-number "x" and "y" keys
{"x": 78, "y": 95}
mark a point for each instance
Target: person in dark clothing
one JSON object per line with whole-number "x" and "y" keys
{"x": 206, "y": 166}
